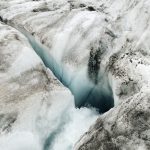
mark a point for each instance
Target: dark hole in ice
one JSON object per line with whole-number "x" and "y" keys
{"x": 90, "y": 8}
{"x": 1, "y": 19}
{"x": 96, "y": 99}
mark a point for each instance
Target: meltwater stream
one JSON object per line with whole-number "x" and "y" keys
{"x": 85, "y": 92}
{"x": 73, "y": 122}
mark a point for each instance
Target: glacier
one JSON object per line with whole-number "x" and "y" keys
{"x": 99, "y": 52}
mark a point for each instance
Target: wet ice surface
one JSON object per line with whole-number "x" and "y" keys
{"x": 79, "y": 122}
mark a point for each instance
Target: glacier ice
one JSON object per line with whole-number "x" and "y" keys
{"x": 107, "y": 43}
